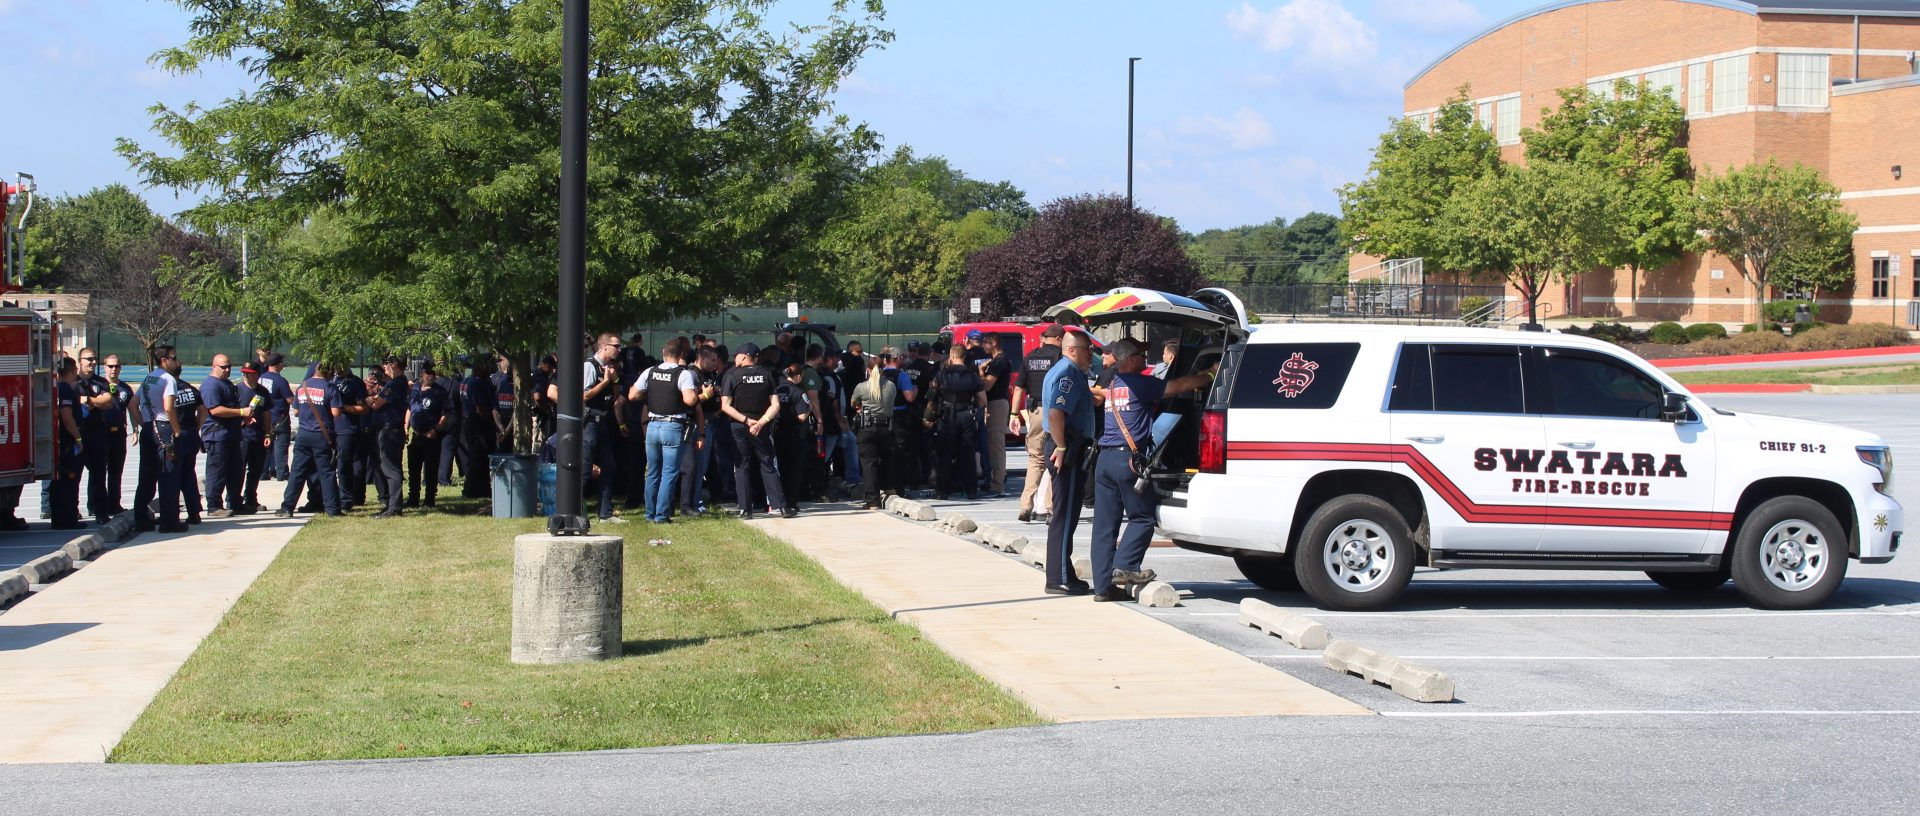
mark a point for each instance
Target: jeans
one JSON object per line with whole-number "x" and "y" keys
{"x": 664, "y": 441}
{"x": 849, "y": 450}
{"x": 1115, "y": 501}
{"x": 311, "y": 455}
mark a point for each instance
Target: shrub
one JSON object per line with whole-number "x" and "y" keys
{"x": 1759, "y": 342}
{"x": 1470, "y": 307}
{"x": 1782, "y": 311}
{"x": 1759, "y": 327}
{"x": 1704, "y": 331}
{"x": 1861, "y": 335}
{"x": 1668, "y": 334}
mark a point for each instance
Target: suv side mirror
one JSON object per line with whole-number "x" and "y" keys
{"x": 1673, "y": 406}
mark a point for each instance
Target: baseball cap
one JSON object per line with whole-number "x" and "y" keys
{"x": 973, "y": 334}
{"x": 249, "y": 368}
{"x": 1055, "y": 330}
{"x": 1123, "y": 349}
{"x": 749, "y": 349}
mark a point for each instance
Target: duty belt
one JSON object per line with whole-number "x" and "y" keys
{"x": 653, "y": 417}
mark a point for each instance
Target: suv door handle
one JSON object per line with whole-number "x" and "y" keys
{"x": 1578, "y": 445}
{"x": 1427, "y": 440}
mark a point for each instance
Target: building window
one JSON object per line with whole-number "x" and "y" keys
{"x": 1601, "y": 87}
{"x": 1882, "y": 274}
{"x": 1697, "y": 88}
{"x": 1507, "y": 114}
{"x": 1486, "y": 115}
{"x": 1730, "y": 83}
{"x": 1803, "y": 80}
{"x": 1666, "y": 81}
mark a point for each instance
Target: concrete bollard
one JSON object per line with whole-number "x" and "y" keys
{"x": 567, "y": 597}
{"x": 1299, "y": 632}
{"x": 1083, "y": 568}
{"x": 1158, "y": 594}
{"x": 1416, "y": 683}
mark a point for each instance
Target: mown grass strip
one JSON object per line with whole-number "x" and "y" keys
{"x": 370, "y": 638}
{"x": 1833, "y": 375}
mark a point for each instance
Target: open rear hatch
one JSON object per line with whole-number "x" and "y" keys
{"x": 1208, "y": 323}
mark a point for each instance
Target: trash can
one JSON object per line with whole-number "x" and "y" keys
{"x": 513, "y": 476}
{"x": 549, "y": 487}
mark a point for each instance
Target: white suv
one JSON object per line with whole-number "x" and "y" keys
{"x": 1334, "y": 458}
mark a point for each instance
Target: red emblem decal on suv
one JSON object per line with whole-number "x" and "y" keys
{"x": 1295, "y": 375}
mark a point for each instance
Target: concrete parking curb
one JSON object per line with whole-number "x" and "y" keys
{"x": 1156, "y": 594}
{"x": 1416, "y": 683}
{"x": 1001, "y": 538}
{"x": 1298, "y": 631}
{"x": 47, "y": 568}
{"x": 956, "y": 523}
{"x": 13, "y": 586}
{"x": 117, "y": 529}
{"x": 914, "y": 510}
{"x": 1035, "y": 554}
{"x": 84, "y": 548}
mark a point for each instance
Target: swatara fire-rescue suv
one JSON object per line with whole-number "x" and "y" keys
{"x": 1335, "y": 458}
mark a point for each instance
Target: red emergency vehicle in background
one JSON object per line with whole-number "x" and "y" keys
{"x": 27, "y": 337}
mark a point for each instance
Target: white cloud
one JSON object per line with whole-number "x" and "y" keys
{"x": 1430, "y": 15}
{"x": 1319, "y": 33}
{"x": 8, "y": 5}
{"x": 1244, "y": 130}
{"x": 859, "y": 83}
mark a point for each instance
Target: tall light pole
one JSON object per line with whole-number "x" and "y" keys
{"x": 568, "y": 518}
{"x": 1130, "y": 62}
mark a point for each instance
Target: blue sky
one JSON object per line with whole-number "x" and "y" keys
{"x": 1244, "y": 111}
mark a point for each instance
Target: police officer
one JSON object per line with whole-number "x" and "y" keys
{"x": 793, "y": 436}
{"x": 279, "y": 405}
{"x": 598, "y": 428}
{"x": 1132, "y": 398}
{"x": 873, "y": 402}
{"x": 997, "y": 372}
{"x": 221, "y": 434}
{"x": 630, "y": 447}
{"x": 1068, "y": 420}
{"x": 188, "y": 408}
{"x": 121, "y": 413}
{"x": 256, "y": 438}
{"x": 1026, "y": 395}
{"x": 669, "y": 399}
{"x": 96, "y": 401}
{"x": 427, "y": 420}
{"x": 923, "y": 368}
{"x": 480, "y": 425}
{"x": 159, "y": 479}
{"x": 63, "y": 493}
{"x": 316, "y": 407}
{"x": 695, "y": 459}
{"x": 388, "y": 404}
{"x": 957, "y": 400}
{"x": 747, "y": 398}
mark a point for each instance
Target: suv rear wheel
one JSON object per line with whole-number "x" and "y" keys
{"x": 1274, "y": 572}
{"x": 1791, "y": 553}
{"x": 1354, "y": 553}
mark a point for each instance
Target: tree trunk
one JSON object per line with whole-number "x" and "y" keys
{"x": 518, "y": 371}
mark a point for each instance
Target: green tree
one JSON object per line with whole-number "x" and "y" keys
{"x": 1763, "y": 215}
{"x": 1822, "y": 265}
{"x": 1394, "y": 212}
{"x": 1314, "y": 249}
{"x": 73, "y": 237}
{"x": 957, "y": 193}
{"x": 426, "y": 134}
{"x": 1635, "y": 137}
{"x": 1533, "y": 225}
{"x": 892, "y": 244}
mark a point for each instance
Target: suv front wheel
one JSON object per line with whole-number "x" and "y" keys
{"x": 1791, "y": 553}
{"x": 1354, "y": 553}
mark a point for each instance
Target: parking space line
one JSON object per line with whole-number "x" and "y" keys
{"x": 1679, "y": 712}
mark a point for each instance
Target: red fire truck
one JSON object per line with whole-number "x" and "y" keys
{"x": 27, "y": 337}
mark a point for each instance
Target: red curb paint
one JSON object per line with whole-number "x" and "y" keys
{"x": 1750, "y": 388}
{"x": 1784, "y": 357}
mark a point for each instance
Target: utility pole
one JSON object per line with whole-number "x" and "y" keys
{"x": 568, "y": 518}
{"x": 1130, "y": 62}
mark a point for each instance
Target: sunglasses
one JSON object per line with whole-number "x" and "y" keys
{"x": 88, "y": 359}
{"x": 228, "y": 365}
{"x": 113, "y": 365}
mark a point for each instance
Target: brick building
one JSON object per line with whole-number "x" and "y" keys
{"x": 1834, "y": 84}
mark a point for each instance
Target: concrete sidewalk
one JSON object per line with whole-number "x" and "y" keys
{"x": 81, "y": 659}
{"x": 1068, "y": 657}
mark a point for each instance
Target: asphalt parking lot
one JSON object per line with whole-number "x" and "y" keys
{"x": 1547, "y": 643}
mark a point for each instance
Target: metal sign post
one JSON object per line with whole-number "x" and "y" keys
{"x": 567, "y": 517}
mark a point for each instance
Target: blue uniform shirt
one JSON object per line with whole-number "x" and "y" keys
{"x": 903, "y": 382}
{"x": 279, "y": 395}
{"x": 1066, "y": 389}
{"x": 391, "y": 415}
{"x": 1133, "y": 397}
{"x": 502, "y": 393}
{"x": 313, "y": 402}
{"x": 153, "y": 393}
{"x": 255, "y": 399}
{"x": 350, "y": 391}
{"x": 429, "y": 404}
{"x": 218, "y": 391}
{"x": 476, "y": 395}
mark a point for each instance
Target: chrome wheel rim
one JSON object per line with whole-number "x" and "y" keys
{"x": 1794, "y": 555}
{"x": 1358, "y": 555}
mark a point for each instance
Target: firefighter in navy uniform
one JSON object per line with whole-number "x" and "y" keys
{"x": 347, "y": 438}
{"x": 256, "y": 437}
{"x": 188, "y": 405}
{"x": 480, "y": 428}
{"x": 502, "y": 382}
{"x": 389, "y": 405}
{"x": 316, "y": 405}
{"x": 426, "y": 420}
{"x": 97, "y": 403}
{"x": 159, "y": 480}
{"x": 63, "y": 493}
{"x": 220, "y": 432}
{"x": 120, "y": 415}
{"x": 956, "y": 401}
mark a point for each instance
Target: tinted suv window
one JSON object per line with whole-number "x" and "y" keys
{"x": 1478, "y": 379}
{"x": 1412, "y": 380}
{"x": 1292, "y": 375}
{"x": 1584, "y": 383}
